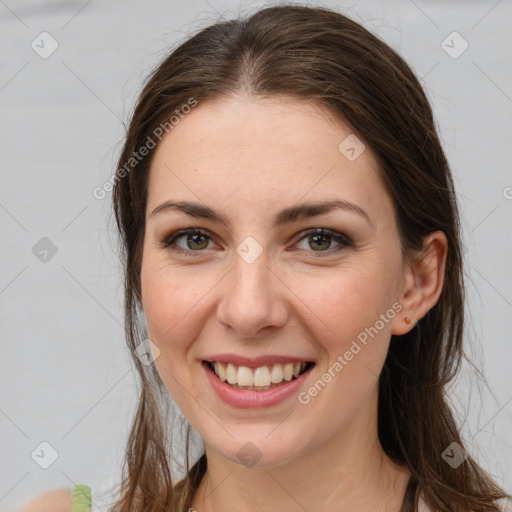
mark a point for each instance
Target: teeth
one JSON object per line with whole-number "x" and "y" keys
{"x": 288, "y": 371}
{"x": 231, "y": 374}
{"x": 245, "y": 376}
{"x": 262, "y": 377}
{"x": 220, "y": 371}
{"x": 277, "y": 373}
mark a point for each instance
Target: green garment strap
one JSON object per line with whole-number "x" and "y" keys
{"x": 81, "y": 498}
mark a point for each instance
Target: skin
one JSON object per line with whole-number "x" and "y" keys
{"x": 250, "y": 158}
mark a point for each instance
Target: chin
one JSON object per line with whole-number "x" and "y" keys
{"x": 258, "y": 452}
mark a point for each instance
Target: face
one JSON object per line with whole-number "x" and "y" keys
{"x": 262, "y": 281}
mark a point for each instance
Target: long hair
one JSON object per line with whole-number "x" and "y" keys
{"x": 313, "y": 54}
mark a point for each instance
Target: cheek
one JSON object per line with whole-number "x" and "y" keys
{"x": 169, "y": 302}
{"x": 352, "y": 326}
{"x": 172, "y": 303}
{"x": 347, "y": 301}
{"x": 166, "y": 296}
{"x": 353, "y": 312}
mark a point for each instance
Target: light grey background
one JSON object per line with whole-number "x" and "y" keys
{"x": 66, "y": 377}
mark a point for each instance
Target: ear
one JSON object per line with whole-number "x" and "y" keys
{"x": 423, "y": 283}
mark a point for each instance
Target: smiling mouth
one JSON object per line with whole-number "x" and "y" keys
{"x": 262, "y": 378}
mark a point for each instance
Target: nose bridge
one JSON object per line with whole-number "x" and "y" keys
{"x": 251, "y": 270}
{"x": 251, "y": 301}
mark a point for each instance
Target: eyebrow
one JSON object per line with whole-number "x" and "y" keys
{"x": 285, "y": 216}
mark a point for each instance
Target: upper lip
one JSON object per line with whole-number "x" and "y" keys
{"x": 256, "y": 362}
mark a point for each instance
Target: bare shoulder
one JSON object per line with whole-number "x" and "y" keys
{"x": 55, "y": 500}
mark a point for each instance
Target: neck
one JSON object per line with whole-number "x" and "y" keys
{"x": 350, "y": 472}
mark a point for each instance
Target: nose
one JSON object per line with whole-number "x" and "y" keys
{"x": 253, "y": 299}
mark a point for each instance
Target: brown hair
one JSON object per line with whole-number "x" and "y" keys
{"x": 315, "y": 54}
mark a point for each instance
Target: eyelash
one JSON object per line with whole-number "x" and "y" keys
{"x": 169, "y": 240}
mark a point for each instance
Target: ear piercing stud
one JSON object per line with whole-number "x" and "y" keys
{"x": 408, "y": 321}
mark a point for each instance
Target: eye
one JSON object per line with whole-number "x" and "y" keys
{"x": 322, "y": 238}
{"x": 198, "y": 239}
{"x": 195, "y": 240}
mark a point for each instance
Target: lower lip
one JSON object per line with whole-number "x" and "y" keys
{"x": 247, "y": 399}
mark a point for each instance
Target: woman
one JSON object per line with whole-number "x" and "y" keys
{"x": 291, "y": 243}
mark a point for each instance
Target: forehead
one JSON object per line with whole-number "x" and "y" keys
{"x": 262, "y": 152}
{"x": 240, "y": 126}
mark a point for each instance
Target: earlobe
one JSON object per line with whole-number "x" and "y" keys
{"x": 423, "y": 283}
